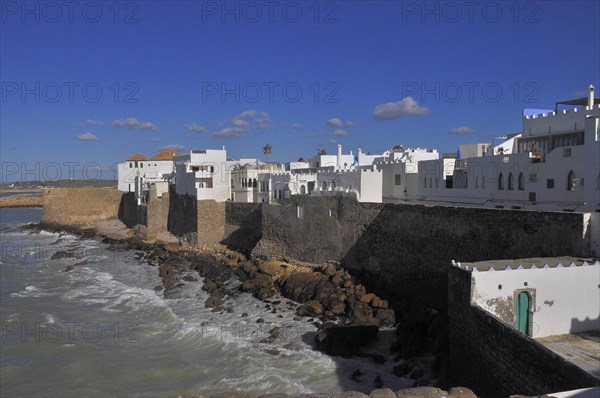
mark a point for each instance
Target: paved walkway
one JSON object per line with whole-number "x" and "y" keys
{"x": 581, "y": 349}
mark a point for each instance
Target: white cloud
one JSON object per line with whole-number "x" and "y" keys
{"x": 195, "y": 128}
{"x": 91, "y": 122}
{"x": 262, "y": 121}
{"x": 239, "y": 122}
{"x": 231, "y": 132}
{"x": 350, "y": 123}
{"x": 405, "y": 107}
{"x": 335, "y": 122}
{"x": 340, "y": 133}
{"x": 298, "y": 126}
{"x": 154, "y": 139}
{"x": 251, "y": 114}
{"x": 132, "y": 123}
{"x": 86, "y": 137}
{"x": 462, "y": 130}
{"x": 175, "y": 147}
{"x": 332, "y": 141}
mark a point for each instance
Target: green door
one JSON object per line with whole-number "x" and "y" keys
{"x": 523, "y": 313}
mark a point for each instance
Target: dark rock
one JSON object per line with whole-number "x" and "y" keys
{"x": 260, "y": 320}
{"x": 421, "y": 392}
{"x": 69, "y": 268}
{"x": 350, "y": 394}
{"x": 245, "y": 314}
{"x": 378, "y": 383}
{"x": 62, "y": 254}
{"x": 385, "y": 317}
{"x": 404, "y": 368}
{"x": 231, "y": 394}
{"x": 356, "y": 375}
{"x": 273, "y": 351}
{"x": 329, "y": 270}
{"x": 214, "y": 300}
{"x": 416, "y": 373}
{"x": 210, "y": 286}
{"x": 344, "y": 340}
{"x": 310, "y": 308}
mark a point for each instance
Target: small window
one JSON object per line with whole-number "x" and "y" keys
{"x": 482, "y": 182}
{"x": 331, "y": 212}
{"x": 130, "y": 165}
{"x": 437, "y": 182}
{"x": 511, "y": 181}
{"x": 476, "y": 182}
{"x": 142, "y": 165}
{"x": 398, "y": 179}
{"x": 566, "y": 152}
{"x": 425, "y": 182}
{"x": 300, "y": 211}
{"x": 532, "y": 197}
{"x": 550, "y": 183}
{"x": 532, "y": 177}
{"x": 500, "y": 182}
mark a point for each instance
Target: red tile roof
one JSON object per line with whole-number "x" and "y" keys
{"x": 166, "y": 154}
{"x": 137, "y": 157}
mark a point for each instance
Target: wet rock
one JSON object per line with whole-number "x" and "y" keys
{"x": 367, "y": 297}
{"x": 231, "y": 394}
{"x": 416, "y": 373}
{"x": 385, "y": 317}
{"x": 273, "y": 351}
{"x": 274, "y": 396}
{"x": 189, "y": 278}
{"x": 260, "y": 320}
{"x": 337, "y": 280}
{"x": 329, "y": 270}
{"x": 310, "y": 308}
{"x": 245, "y": 314}
{"x": 215, "y": 300}
{"x": 404, "y": 368}
{"x": 292, "y": 347}
{"x": 59, "y": 255}
{"x": 421, "y": 392}
{"x": 69, "y": 268}
{"x": 378, "y": 383}
{"x": 344, "y": 340}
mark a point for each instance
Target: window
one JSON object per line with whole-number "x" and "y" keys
{"x": 130, "y": 165}
{"x": 331, "y": 212}
{"x": 429, "y": 182}
{"x": 511, "y": 181}
{"x": 136, "y": 164}
{"x": 142, "y": 165}
{"x": 505, "y": 159}
{"x": 482, "y": 182}
{"x": 398, "y": 179}
{"x": 476, "y": 182}
{"x": 300, "y": 211}
{"x": 532, "y": 177}
{"x": 437, "y": 182}
{"x": 566, "y": 152}
{"x": 550, "y": 183}
{"x": 425, "y": 182}
{"x": 521, "y": 182}
{"x": 302, "y": 190}
{"x": 571, "y": 181}
{"x": 500, "y": 181}
{"x": 532, "y": 196}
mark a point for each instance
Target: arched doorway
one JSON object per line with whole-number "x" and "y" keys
{"x": 522, "y": 313}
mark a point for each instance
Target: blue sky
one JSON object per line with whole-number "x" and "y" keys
{"x": 96, "y": 83}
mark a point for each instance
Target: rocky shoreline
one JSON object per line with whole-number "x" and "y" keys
{"x": 347, "y": 317}
{"x": 418, "y": 392}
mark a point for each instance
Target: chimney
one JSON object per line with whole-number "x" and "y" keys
{"x": 339, "y": 155}
{"x": 591, "y": 96}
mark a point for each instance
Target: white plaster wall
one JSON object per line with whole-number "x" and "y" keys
{"x": 185, "y": 177}
{"x": 563, "y": 296}
{"x": 563, "y": 121}
{"x": 152, "y": 171}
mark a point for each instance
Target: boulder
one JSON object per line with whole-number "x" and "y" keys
{"x": 382, "y": 393}
{"x": 215, "y": 300}
{"x": 461, "y": 392}
{"x": 344, "y": 340}
{"x": 310, "y": 308}
{"x": 349, "y": 394}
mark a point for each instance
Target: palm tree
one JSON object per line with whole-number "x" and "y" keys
{"x": 322, "y": 151}
{"x": 267, "y": 151}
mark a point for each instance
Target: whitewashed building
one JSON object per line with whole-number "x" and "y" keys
{"x": 203, "y": 174}
{"x": 553, "y": 165}
{"x": 138, "y": 173}
{"x": 539, "y": 296}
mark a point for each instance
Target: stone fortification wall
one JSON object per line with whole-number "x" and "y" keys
{"x": 403, "y": 251}
{"x": 80, "y": 207}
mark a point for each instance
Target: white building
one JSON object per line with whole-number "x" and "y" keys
{"x": 539, "y": 296}
{"x": 203, "y": 174}
{"x": 138, "y": 172}
{"x": 400, "y": 172}
{"x": 553, "y": 165}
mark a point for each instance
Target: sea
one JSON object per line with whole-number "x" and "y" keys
{"x": 96, "y": 324}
